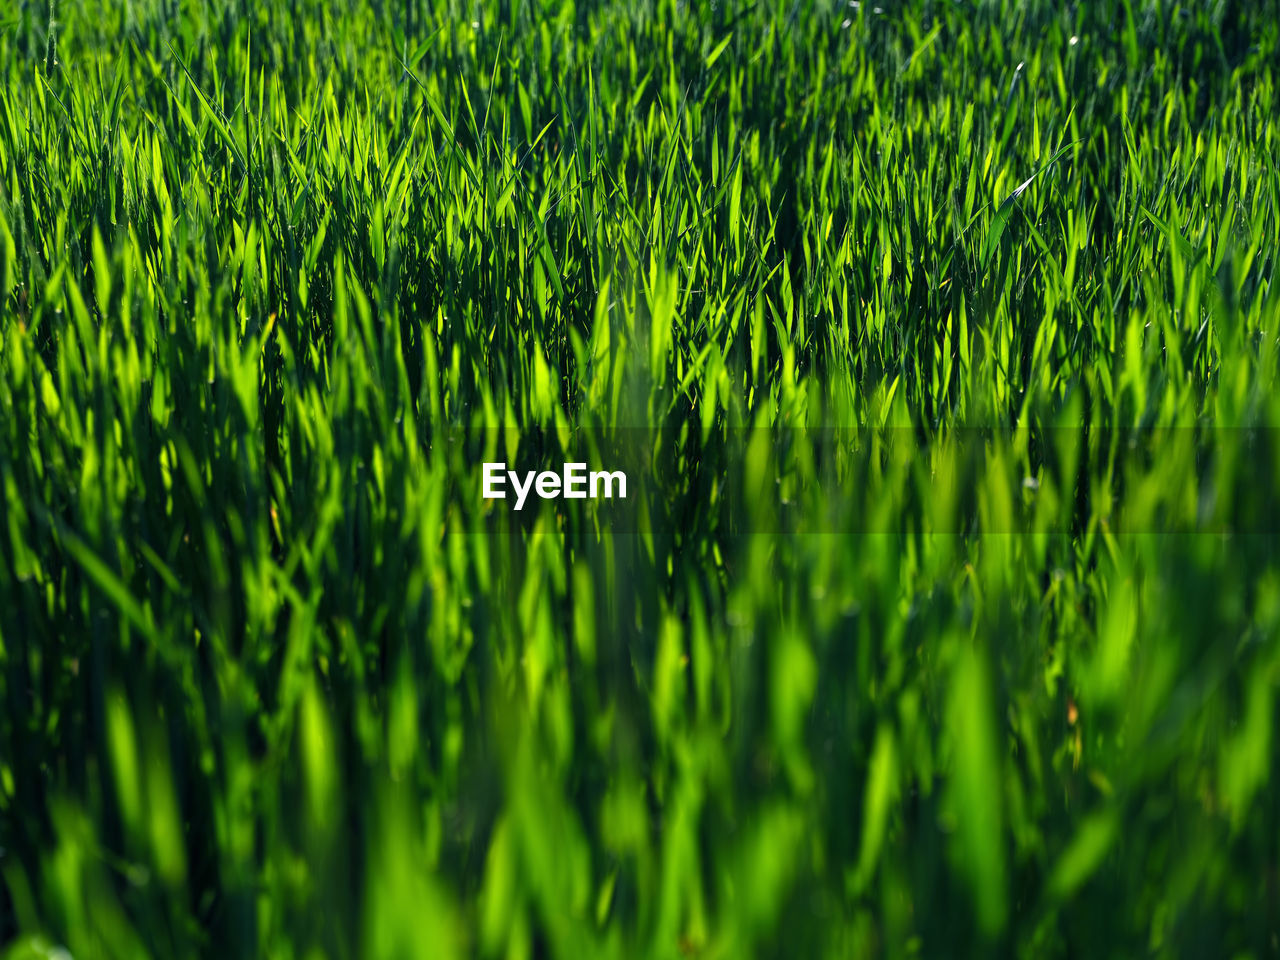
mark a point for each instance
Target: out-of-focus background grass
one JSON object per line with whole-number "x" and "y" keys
{"x": 276, "y": 277}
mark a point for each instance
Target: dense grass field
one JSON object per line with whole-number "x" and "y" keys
{"x": 939, "y": 340}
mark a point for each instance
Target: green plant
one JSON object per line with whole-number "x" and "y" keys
{"x": 941, "y": 340}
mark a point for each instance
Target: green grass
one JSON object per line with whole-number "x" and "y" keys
{"x": 944, "y": 620}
